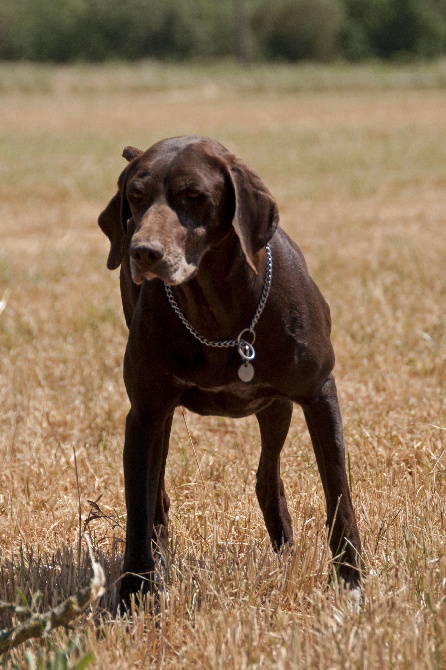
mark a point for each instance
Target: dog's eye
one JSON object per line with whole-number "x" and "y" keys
{"x": 190, "y": 194}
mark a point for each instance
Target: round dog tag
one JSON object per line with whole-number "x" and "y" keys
{"x": 246, "y": 372}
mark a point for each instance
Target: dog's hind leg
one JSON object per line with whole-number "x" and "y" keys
{"x": 324, "y": 423}
{"x": 274, "y": 422}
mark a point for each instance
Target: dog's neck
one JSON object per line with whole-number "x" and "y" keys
{"x": 221, "y": 299}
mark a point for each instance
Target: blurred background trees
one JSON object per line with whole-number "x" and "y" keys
{"x": 290, "y": 30}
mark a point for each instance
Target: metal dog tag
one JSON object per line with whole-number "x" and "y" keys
{"x": 246, "y": 372}
{"x": 247, "y": 354}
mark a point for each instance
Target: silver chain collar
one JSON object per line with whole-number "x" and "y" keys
{"x": 245, "y": 348}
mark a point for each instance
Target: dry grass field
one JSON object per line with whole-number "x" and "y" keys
{"x": 357, "y": 161}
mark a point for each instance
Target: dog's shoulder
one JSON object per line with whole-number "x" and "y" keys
{"x": 294, "y": 289}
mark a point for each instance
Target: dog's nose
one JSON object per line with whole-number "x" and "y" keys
{"x": 147, "y": 253}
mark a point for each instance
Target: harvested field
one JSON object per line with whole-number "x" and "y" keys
{"x": 359, "y": 172}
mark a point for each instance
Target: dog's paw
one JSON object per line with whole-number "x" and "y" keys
{"x": 355, "y": 599}
{"x": 135, "y": 586}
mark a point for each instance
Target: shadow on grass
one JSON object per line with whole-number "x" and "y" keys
{"x": 56, "y": 577}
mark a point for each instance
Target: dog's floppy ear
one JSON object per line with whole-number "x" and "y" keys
{"x": 113, "y": 220}
{"x": 129, "y": 153}
{"x": 256, "y": 213}
{"x": 111, "y": 224}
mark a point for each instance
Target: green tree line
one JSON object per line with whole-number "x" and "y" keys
{"x": 291, "y": 30}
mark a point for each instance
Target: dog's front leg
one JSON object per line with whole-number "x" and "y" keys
{"x": 145, "y": 453}
{"x": 324, "y": 423}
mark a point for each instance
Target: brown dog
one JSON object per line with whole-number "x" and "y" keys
{"x": 191, "y": 216}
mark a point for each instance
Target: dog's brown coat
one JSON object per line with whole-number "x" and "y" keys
{"x": 190, "y": 213}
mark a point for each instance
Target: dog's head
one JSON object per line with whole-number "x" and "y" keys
{"x": 185, "y": 194}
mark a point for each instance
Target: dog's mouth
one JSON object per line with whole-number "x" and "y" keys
{"x": 172, "y": 274}
{"x": 139, "y": 274}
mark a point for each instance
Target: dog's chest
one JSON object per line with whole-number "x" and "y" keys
{"x": 234, "y": 400}
{"x": 215, "y": 387}
{"x": 219, "y": 370}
